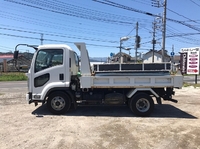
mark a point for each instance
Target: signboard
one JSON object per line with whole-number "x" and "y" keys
{"x": 190, "y": 60}
{"x": 193, "y": 62}
{"x": 183, "y": 63}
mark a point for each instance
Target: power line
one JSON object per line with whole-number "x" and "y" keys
{"x": 57, "y": 35}
{"x": 87, "y": 33}
{"x": 195, "y": 3}
{"x": 65, "y": 11}
{"x": 72, "y": 9}
{"x": 60, "y": 20}
{"x": 130, "y": 31}
{"x": 143, "y": 2}
{"x": 183, "y": 16}
{"x": 9, "y": 0}
{"x": 111, "y": 3}
{"x": 34, "y": 21}
{"x": 34, "y": 38}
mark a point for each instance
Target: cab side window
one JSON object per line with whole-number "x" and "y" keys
{"x": 76, "y": 59}
{"x": 48, "y": 58}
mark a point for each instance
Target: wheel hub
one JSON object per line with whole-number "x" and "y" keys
{"x": 142, "y": 105}
{"x": 58, "y": 103}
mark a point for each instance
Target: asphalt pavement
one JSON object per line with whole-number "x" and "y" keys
{"x": 191, "y": 79}
{"x": 13, "y": 86}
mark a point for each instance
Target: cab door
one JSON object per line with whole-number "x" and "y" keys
{"x": 49, "y": 71}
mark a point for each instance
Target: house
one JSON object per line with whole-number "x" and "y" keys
{"x": 6, "y": 57}
{"x": 148, "y": 57}
{"x": 116, "y": 58}
{"x": 176, "y": 59}
{"x": 8, "y": 63}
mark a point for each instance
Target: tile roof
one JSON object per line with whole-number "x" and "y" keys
{"x": 5, "y": 56}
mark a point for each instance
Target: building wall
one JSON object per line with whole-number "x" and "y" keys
{"x": 149, "y": 56}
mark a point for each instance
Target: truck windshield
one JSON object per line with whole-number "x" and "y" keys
{"x": 48, "y": 58}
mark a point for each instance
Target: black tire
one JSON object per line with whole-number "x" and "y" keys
{"x": 58, "y": 103}
{"x": 141, "y": 104}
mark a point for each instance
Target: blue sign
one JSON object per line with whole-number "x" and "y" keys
{"x": 112, "y": 54}
{"x": 172, "y": 53}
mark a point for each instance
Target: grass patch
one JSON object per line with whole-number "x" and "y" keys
{"x": 191, "y": 84}
{"x": 191, "y": 75}
{"x": 13, "y": 76}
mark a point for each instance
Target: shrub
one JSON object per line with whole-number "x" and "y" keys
{"x": 13, "y": 76}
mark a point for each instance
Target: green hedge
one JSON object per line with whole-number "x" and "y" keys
{"x": 13, "y": 76}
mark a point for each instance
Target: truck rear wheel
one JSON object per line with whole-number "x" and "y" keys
{"x": 141, "y": 104}
{"x": 58, "y": 103}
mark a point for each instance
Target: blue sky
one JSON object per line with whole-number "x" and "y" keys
{"x": 99, "y": 25}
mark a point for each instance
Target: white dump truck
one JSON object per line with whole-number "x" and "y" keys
{"x": 60, "y": 80}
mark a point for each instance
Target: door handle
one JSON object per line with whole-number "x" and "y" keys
{"x": 61, "y": 76}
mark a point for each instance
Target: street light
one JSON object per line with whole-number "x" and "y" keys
{"x": 127, "y": 49}
{"x": 124, "y": 38}
{"x": 120, "y": 47}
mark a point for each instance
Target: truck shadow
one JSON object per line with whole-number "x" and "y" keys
{"x": 160, "y": 111}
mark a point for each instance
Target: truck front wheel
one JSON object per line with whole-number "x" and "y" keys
{"x": 58, "y": 103}
{"x": 141, "y": 104}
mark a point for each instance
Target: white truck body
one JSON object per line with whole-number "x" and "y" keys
{"x": 53, "y": 78}
{"x": 126, "y": 81}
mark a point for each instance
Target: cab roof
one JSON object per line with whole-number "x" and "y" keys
{"x": 55, "y": 46}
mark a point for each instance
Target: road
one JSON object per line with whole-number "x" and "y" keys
{"x": 171, "y": 125}
{"x": 191, "y": 79}
{"x": 13, "y": 86}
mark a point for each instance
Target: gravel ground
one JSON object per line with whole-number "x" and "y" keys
{"x": 171, "y": 126}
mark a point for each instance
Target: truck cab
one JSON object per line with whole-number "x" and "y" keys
{"x": 52, "y": 67}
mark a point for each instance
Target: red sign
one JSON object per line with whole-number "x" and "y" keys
{"x": 192, "y": 62}
{"x": 193, "y": 59}
{"x": 192, "y": 71}
{"x": 192, "y": 66}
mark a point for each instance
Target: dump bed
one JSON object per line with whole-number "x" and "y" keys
{"x": 130, "y": 67}
{"x": 131, "y": 81}
{"x": 154, "y": 75}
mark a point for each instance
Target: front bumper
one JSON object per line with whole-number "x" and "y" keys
{"x": 33, "y": 98}
{"x": 29, "y": 97}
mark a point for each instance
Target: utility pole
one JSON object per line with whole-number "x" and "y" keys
{"x": 120, "y": 51}
{"x": 154, "y": 41}
{"x": 173, "y": 68}
{"x": 41, "y": 39}
{"x": 136, "y": 42}
{"x": 172, "y": 59}
{"x": 155, "y": 3}
{"x": 164, "y": 29}
{"x": 27, "y": 53}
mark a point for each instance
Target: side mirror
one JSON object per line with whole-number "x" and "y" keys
{"x": 15, "y": 55}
